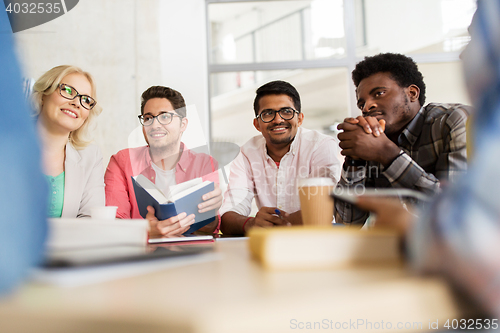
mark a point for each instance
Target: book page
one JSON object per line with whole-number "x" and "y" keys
{"x": 189, "y": 190}
{"x": 182, "y": 187}
{"x": 151, "y": 189}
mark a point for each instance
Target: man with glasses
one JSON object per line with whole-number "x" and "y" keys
{"x": 270, "y": 164}
{"x": 165, "y": 161}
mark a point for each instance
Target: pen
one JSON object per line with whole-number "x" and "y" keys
{"x": 278, "y": 212}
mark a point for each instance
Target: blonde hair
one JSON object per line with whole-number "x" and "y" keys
{"x": 49, "y": 82}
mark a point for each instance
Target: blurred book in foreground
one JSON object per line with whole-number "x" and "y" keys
{"x": 187, "y": 239}
{"x": 70, "y": 233}
{"x": 88, "y": 242}
{"x": 322, "y": 247}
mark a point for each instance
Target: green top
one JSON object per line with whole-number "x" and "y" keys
{"x": 56, "y": 195}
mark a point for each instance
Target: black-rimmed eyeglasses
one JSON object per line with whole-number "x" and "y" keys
{"x": 268, "y": 115}
{"x": 70, "y": 93}
{"x": 163, "y": 118}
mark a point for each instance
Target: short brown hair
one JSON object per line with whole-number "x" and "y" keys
{"x": 174, "y": 97}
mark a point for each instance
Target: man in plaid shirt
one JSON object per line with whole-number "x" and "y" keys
{"x": 398, "y": 142}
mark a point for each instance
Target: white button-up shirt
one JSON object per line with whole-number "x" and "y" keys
{"x": 254, "y": 173}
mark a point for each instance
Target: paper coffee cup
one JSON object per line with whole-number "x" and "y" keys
{"x": 315, "y": 201}
{"x": 103, "y": 213}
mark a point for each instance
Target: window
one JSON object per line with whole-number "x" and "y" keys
{"x": 315, "y": 45}
{"x": 323, "y": 91}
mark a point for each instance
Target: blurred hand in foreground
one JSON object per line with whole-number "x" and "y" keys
{"x": 390, "y": 213}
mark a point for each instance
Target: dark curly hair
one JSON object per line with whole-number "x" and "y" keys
{"x": 174, "y": 97}
{"x": 402, "y": 69}
{"x": 277, "y": 88}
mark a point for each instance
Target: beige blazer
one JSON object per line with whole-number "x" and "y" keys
{"x": 83, "y": 181}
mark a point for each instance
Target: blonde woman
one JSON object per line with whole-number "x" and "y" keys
{"x": 65, "y": 103}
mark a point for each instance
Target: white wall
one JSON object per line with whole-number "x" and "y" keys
{"x": 183, "y": 54}
{"x": 402, "y": 25}
{"x": 445, "y": 83}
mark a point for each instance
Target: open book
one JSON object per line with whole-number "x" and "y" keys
{"x": 184, "y": 197}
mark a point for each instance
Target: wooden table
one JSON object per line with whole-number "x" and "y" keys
{"x": 234, "y": 294}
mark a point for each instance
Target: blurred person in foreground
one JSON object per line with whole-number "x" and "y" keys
{"x": 459, "y": 235}
{"x": 22, "y": 190}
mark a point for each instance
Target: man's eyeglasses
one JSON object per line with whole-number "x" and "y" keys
{"x": 163, "y": 118}
{"x": 268, "y": 115}
{"x": 70, "y": 93}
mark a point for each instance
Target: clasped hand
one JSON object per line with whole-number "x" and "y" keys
{"x": 364, "y": 138}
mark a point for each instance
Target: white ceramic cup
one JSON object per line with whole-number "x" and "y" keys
{"x": 103, "y": 213}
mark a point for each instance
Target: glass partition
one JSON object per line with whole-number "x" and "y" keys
{"x": 253, "y": 32}
{"x": 323, "y": 93}
{"x": 416, "y": 27}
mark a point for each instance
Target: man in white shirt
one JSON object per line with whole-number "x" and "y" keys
{"x": 269, "y": 165}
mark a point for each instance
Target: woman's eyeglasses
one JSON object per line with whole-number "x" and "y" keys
{"x": 70, "y": 93}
